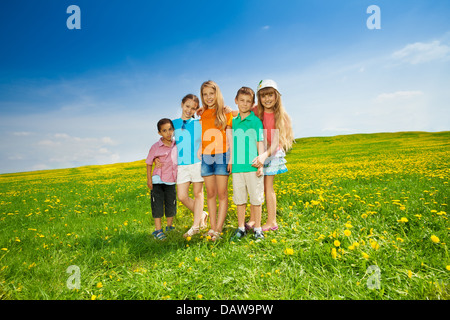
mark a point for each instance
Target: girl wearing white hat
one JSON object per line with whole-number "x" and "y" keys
{"x": 278, "y": 139}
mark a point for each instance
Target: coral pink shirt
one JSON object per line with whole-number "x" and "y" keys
{"x": 268, "y": 124}
{"x": 168, "y": 157}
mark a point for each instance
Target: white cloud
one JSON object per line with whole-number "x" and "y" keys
{"x": 383, "y": 97}
{"x": 420, "y": 52}
{"x": 22, "y": 134}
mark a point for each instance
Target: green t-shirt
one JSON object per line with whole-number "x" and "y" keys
{"x": 246, "y": 133}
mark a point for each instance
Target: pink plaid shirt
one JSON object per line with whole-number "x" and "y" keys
{"x": 168, "y": 157}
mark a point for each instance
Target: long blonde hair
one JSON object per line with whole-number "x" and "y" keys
{"x": 283, "y": 121}
{"x": 221, "y": 119}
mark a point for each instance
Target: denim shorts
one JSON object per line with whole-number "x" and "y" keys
{"x": 215, "y": 164}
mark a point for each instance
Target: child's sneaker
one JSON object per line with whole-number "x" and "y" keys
{"x": 259, "y": 235}
{"x": 238, "y": 235}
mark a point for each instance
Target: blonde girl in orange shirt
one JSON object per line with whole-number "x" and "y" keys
{"x": 215, "y": 154}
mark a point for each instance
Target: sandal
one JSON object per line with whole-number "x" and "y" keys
{"x": 191, "y": 232}
{"x": 248, "y": 227}
{"x": 159, "y": 235}
{"x": 210, "y": 233}
{"x": 274, "y": 228}
{"x": 204, "y": 222}
{"x": 216, "y": 236}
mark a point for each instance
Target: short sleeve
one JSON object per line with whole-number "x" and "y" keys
{"x": 260, "y": 131}
{"x": 151, "y": 155}
{"x": 229, "y": 119}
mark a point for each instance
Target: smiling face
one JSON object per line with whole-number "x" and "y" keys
{"x": 209, "y": 97}
{"x": 188, "y": 109}
{"x": 244, "y": 103}
{"x": 268, "y": 98}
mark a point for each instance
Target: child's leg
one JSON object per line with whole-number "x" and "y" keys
{"x": 157, "y": 204}
{"x": 198, "y": 203}
{"x": 158, "y": 224}
{"x": 222, "y": 193}
{"x": 251, "y": 221}
{"x": 183, "y": 195}
{"x": 170, "y": 203}
{"x": 271, "y": 202}
{"x": 211, "y": 192}
{"x": 241, "y": 215}
{"x": 257, "y": 212}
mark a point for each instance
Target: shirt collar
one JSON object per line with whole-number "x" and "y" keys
{"x": 161, "y": 143}
{"x": 249, "y": 117}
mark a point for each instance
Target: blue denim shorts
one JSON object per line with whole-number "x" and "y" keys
{"x": 215, "y": 164}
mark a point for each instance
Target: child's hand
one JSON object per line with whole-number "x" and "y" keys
{"x": 150, "y": 184}
{"x": 258, "y": 162}
{"x": 157, "y": 163}
{"x": 200, "y": 111}
{"x": 229, "y": 167}
{"x": 259, "y": 172}
{"x": 227, "y": 109}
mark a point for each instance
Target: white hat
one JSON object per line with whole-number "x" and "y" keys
{"x": 267, "y": 84}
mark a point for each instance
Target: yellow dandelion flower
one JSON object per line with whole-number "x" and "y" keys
{"x": 333, "y": 253}
{"x": 409, "y": 274}
{"x": 289, "y": 251}
{"x": 93, "y": 297}
{"x": 200, "y": 296}
{"x": 274, "y": 240}
{"x": 403, "y": 220}
{"x": 99, "y": 285}
{"x": 365, "y": 255}
{"x": 337, "y": 243}
{"x": 347, "y": 233}
{"x": 448, "y": 267}
{"x": 434, "y": 239}
{"x": 374, "y": 245}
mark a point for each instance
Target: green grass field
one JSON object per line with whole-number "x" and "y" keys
{"x": 360, "y": 216}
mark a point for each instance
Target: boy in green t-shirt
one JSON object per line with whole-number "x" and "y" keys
{"x": 247, "y": 144}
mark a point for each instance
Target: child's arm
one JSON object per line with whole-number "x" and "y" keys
{"x": 234, "y": 113}
{"x": 229, "y": 133}
{"x": 260, "y": 146}
{"x": 149, "y": 176}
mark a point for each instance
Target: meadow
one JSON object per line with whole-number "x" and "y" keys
{"x": 361, "y": 217}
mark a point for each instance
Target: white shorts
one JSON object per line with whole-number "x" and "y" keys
{"x": 189, "y": 173}
{"x": 247, "y": 183}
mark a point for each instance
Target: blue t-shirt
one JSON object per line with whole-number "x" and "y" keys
{"x": 188, "y": 137}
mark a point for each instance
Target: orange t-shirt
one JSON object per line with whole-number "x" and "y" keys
{"x": 214, "y": 140}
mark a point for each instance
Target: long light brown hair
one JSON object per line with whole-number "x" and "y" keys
{"x": 221, "y": 119}
{"x": 283, "y": 121}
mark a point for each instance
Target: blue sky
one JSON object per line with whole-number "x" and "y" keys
{"x": 93, "y": 96}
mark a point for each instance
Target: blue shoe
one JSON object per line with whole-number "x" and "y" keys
{"x": 238, "y": 235}
{"x": 259, "y": 235}
{"x": 159, "y": 235}
{"x": 170, "y": 228}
